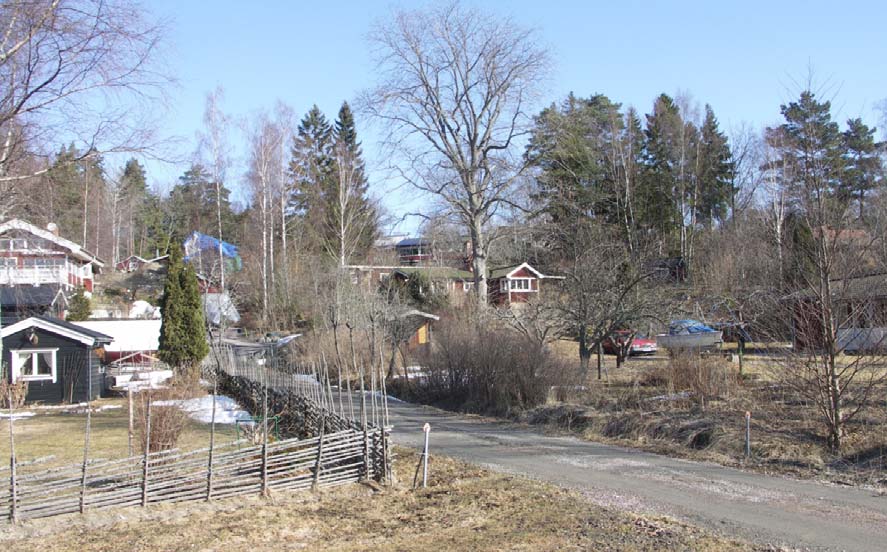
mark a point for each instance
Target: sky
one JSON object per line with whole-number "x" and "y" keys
{"x": 744, "y": 58}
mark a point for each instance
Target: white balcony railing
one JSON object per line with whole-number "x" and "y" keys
{"x": 35, "y": 276}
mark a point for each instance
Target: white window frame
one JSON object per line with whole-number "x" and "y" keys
{"x": 383, "y": 275}
{"x": 5, "y": 262}
{"x": 19, "y": 361}
{"x": 515, "y": 287}
{"x": 467, "y": 286}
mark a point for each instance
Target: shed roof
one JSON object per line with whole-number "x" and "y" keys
{"x": 130, "y": 336}
{"x": 437, "y": 272}
{"x": 60, "y": 327}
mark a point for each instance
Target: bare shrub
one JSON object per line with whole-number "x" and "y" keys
{"x": 15, "y": 391}
{"x": 167, "y": 420}
{"x": 704, "y": 378}
{"x": 483, "y": 369}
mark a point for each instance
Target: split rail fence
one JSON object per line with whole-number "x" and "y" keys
{"x": 330, "y": 450}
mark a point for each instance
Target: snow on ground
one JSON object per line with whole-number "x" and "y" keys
{"x": 17, "y": 415}
{"x": 201, "y": 409}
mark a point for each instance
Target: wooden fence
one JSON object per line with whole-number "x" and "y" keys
{"x": 171, "y": 476}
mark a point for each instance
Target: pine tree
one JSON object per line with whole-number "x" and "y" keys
{"x": 864, "y": 169}
{"x": 182, "y": 331}
{"x": 79, "y": 307}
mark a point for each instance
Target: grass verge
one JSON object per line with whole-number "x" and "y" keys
{"x": 464, "y": 508}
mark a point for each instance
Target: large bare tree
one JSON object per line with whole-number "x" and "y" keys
{"x": 455, "y": 88}
{"x": 82, "y": 71}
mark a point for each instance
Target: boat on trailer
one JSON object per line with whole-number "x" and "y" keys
{"x": 689, "y": 334}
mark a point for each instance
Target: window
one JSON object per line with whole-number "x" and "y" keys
{"x": 467, "y": 286}
{"x": 521, "y": 284}
{"x": 8, "y": 262}
{"x": 43, "y": 261}
{"x": 35, "y": 365}
{"x": 383, "y": 276}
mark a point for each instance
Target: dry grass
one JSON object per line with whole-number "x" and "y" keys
{"x": 627, "y": 407}
{"x": 61, "y": 434}
{"x": 464, "y": 508}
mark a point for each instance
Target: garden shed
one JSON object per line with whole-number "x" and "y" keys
{"x": 60, "y": 361}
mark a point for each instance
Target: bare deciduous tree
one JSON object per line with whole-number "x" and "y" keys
{"x": 454, "y": 94}
{"x": 82, "y": 71}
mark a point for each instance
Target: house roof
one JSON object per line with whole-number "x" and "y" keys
{"x": 63, "y": 328}
{"x": 411, "y": 242}
{"x": 130, "y": 336}
{"x": 29, "y": 296}
{"x": 76, "y": 250}
{"x": 437, "y": 272}
{"x": 507, "y": 271}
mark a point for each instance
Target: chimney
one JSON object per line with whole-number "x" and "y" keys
{"x": 53, "y": 227}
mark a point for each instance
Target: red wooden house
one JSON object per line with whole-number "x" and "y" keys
{"x": 515, "y": 284}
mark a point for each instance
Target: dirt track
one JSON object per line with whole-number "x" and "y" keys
{"x": 757, "y": 508}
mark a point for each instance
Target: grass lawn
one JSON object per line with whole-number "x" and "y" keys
{"x": 464, "y": 508}
{"x": 60, "y": 434}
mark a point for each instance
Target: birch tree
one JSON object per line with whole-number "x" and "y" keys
{"x": 454, "y": 92}
{"x": 214, "y": 145}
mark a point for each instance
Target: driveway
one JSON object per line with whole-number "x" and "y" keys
{"x": 760, "y": 509}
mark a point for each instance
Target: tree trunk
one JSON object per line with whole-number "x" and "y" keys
{"x": 584, "y": 353}
{"x": 479, "y": 262}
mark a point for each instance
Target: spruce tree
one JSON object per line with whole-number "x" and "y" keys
{"x": 79, "y": 307}
{"x": 359, "y": 210}
{"x": 311, "y": 167}
{"x": 714, "y": 172}
{"x": 182, "y": 330}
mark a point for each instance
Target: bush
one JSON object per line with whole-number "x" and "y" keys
{"x": 15, "y": 391}
{"x": 703, "y": 377}
{"x": 483, "y": 369}
{"x": 167, "y": 420}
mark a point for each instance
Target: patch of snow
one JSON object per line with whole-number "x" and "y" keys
{"x": 16, "y": 415}
{"x": 201, "y": 409}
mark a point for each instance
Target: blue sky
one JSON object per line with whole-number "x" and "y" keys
{"x": 744, "y": 58}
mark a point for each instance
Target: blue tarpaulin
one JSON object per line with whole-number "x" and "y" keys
{"x": 686, "y": 327}
{"x": 198, "y": 244}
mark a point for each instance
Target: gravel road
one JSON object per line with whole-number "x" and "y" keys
{"x": 757, "y": 508}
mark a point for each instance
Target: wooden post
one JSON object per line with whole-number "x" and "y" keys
{"x": 212, "y": 441}
{"x": 85, "y": 455}
{"x": 600, "y": 359}
{"x": 131, "y": 426}
{"x": 145, "y": 453}
{"x": 319, "y": 462}
{"x": 13, "y": 488}
{"x": 363, "y": 422}
{"x": 265, "y": 434}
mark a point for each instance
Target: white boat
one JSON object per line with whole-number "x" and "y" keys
{"x": 700, "y": 340}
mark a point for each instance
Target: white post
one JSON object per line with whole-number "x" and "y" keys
{"x": 427, "y": 429}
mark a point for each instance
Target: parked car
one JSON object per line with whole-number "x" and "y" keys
{"x": 640, "y": 345}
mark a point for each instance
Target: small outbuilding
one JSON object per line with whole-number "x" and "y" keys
{"x": 60, "y": 361}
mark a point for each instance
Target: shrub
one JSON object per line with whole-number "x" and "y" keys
{"x": 167, "y": 420}
{"x": 484, "y": 369}
{"x": 703, "y": 377}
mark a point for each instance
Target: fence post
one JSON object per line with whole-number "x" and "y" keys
{"x": 13, "y": 488}
{"x": 131, "y": 432}
{"x": 319, "y": 462}
{"x": 85, "y": 457}
{"x": 265, "y": 433}
{"x": 145, "y": 453}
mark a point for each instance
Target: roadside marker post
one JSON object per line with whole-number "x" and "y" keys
{"x": 427, "y": 429}
{"x": 748, "y": 434}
